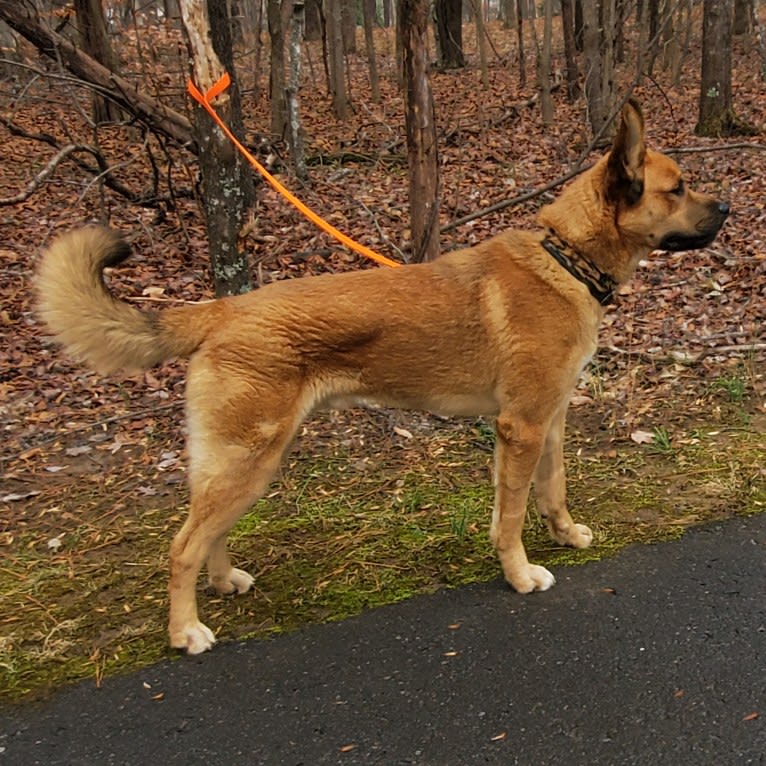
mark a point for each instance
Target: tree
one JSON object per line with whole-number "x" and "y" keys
{"x": 348, "y": 25}
{"x": 544, "y": 66}
{"x": 744, "y": 17}
{"x": 226, "y": 177}
{"x": 520, "y": 40}
{"x": 570, "y": 50}
{"x": 421, "y": 131}
{"x": 24, "y": 20}
{"x": 368, "y": 10}
{"x": 716, "y": 114}
{"x": 277, "y": 23}
{"x": 598, "y": 45}
{"x": 449, "y": 33}
{"x": 295, "y": 134}
{"x": 95, "y": 42}
{"x": 341, "y": 103}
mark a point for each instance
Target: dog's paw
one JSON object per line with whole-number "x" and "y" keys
{"x": 575, "y": 536}
{"x": 531, "y": 578}
{"x": 195, "y": 638}
{"x": 236, "y": 581}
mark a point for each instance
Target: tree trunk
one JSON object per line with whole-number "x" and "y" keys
{"x": 95, "y": 42}
{"x": 508, "y": 8}
{"x": 481, "y": 41}
{"x": 744, "y": 17}
{"x": 313, "y": 19}
{"x": 570, "y": 50}
{"x": 520, "y": 40}
{"x": 224, "y": 172}
{"x": 546, "y": 101}
{"x": 598, "y": 31}
{"x": 421, "y": 131}
{"x": 716, "y": 116}
{"x": 277, "y": 67}
{"x": 341, "y": 103}
{"x": 449, "y": 33}
{"x": 23, "y": 19}
{"x": 348, "y": 24}
{"x": 368, "y": 9}
{"x": 296, "y": 130}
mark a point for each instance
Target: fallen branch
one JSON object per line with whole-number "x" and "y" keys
{"x": 22, "y": 18}
{"x": 45, "y": 173}
{"x": 148, "y": 199}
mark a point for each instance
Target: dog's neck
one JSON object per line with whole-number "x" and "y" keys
{"x": 601, "y": 285}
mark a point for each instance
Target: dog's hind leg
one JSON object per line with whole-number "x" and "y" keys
{"x": 550, "y": 489}
{"x": 225, "y": 480}
{"x": 517, "y": 449}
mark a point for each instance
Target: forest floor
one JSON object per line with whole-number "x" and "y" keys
{"x": 666, "y": 427}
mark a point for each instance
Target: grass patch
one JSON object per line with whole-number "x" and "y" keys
{"x": 345, "y": 528}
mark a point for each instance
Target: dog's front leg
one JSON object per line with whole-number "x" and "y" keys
{"x": 550, "y": 489}
{"x": 517, "y": 450}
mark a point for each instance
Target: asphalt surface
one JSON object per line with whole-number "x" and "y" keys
{"x": 656, "y": 656}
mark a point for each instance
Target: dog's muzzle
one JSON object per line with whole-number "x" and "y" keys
{"x": 707, "y": 229}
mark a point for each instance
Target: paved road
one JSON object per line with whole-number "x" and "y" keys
{"x": 656, "y": 656}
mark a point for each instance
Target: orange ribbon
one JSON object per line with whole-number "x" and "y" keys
{"x": 204, "y": 99}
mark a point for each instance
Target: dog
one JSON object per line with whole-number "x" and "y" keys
{"x": 502, "y": 329}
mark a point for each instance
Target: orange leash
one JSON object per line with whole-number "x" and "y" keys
{"x": 204, "y": 99}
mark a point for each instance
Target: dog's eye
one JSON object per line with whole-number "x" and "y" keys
{"x": 679, "y": 189}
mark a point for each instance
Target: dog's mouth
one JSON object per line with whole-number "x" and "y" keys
{"x": 677, "y": 241}
{"x": 705, "y": 234}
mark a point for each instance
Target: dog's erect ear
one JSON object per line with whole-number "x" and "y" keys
{"x": 625, "y": 167}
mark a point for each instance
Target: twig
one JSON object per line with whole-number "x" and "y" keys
{"x": 717, "y": 148}
{"x": 46, "y": 173}
{"x": 107, "y": 421}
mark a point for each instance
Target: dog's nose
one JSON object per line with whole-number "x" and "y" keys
{"x": 723, "y": 208}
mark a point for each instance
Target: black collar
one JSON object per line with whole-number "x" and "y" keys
{"x": 602, "y": 286}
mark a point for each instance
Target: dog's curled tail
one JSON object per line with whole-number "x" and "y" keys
{"x": 91, "y": 324}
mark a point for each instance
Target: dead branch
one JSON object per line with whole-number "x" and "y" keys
{"x": 22, "y": 18}
{"x": 102, "y": 171}
{"x": 45, "y": 173}
{"x": 716, "y": 148}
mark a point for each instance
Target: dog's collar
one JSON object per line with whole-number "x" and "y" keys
{"x": 602, "y": 286}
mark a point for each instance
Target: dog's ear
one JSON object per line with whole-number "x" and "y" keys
{"x": 625, "y": 167}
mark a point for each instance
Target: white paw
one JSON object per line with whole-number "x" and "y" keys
{"x": 531, "y": 578}
{"x": 195, "y": 638}
{"x": 582, "y": 536}
{"x": 241, "y": 580}
{"x": 236, "y": 581}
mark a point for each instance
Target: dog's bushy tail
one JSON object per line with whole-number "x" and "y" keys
{"x": 91, "y": 324}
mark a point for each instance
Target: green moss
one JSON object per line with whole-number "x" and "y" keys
{"x": 337, "y": 535}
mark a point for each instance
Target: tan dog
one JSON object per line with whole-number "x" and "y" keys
{"x": 502, "y": 329}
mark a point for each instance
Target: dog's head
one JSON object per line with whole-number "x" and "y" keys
{"x": 654, "y": 207}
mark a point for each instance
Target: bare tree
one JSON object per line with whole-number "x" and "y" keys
{"x": 598, "y": 44}
{"x": 296, "y": 130}
{"x": 520, "y": 40}
{"x": 449, "y": 33}
{"x": 225, "y": 175}
{"x": 341, "y": 103}
{"x": 95, "y": 42}
{"x": 744, "y": 17}
{"x": 24, "y": 20}
{"x": 570, "y": 50}
{"x": 421, "y": 131}
{"x": 368, "y": 10}
{"x": 481, "y": 41}
{"x": 716, "y": 113}
{"x": 348, "y": 24}
{"x": 544, "y": 66}
{"x": 277, "y": 25}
